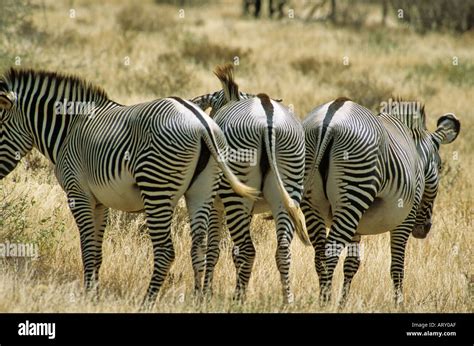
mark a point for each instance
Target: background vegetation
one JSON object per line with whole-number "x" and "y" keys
{"x": 154, "y": 49}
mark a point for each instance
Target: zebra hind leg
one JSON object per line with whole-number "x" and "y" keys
{"x": 101, "y": 215}
{"x": 342, "y": 230}
{"x": 159, "y": 219}
{"x": 213, "y": 248}
{"x": 243, "y": 252}
{"x": 200, "y": 201}
{"x": 317, "y": 235}
{"x": 398, "y": 241}
{"x": 285, "y": 229}
{"x": 351, "y": 266}
{"x": 285, "y": 232}
{"x": 84, "y": 214}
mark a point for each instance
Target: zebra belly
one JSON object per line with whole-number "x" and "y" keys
{"x": 383, "y": 215}
{"x": 120, "y": 193}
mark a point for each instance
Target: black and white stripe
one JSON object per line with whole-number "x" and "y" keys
{"x": 133, "y": 158}
{"x": 265, "y": 127}
{"x": 368, "y": 174}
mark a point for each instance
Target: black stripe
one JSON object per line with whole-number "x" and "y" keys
{"x": 268, "y": 108}
{"x": 196, "y": 113}
{"x": 332, "y": 109}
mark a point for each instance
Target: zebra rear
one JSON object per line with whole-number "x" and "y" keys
{"x": 133, "y": 158}
{"x": 368, "y": 174}
{"x": 265, "y": 128}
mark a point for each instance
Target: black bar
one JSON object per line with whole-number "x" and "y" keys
{"x": 291, "y": 329}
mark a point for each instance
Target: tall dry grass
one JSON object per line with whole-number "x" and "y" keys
{"x": 137, "y": 55}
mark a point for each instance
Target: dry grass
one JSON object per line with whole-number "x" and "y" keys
{"x": 293, "y": 60}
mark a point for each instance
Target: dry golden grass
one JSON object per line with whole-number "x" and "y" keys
{"x": 299, "y": 62}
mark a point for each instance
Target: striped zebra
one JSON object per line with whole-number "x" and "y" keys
{"x": 131, "y": 158}
{"x": 365, "y": 175}
{"x": 267, "y": 152}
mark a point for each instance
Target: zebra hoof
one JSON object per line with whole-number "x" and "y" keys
{"x": 398, "y": 299}
{"x": 325, "y": 295}
{"x": 288, "y": 298}
{"x": 147, "y": 304}
{"x": 238, "y": 297}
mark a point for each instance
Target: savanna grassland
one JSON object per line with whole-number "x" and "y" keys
{"x": 143, "y": 51}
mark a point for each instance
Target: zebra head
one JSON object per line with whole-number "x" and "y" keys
{"x": 16, "y": 140}
{"x": 428, "y": 144}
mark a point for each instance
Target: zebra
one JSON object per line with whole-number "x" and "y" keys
{"x": 264, "y": 127}
{"x": 368, "y": 174}
{"x": 135, "y": 158}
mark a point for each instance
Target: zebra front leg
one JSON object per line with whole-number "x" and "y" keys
{"x": 159, "y": 219}
{"x": 398, "y": 241}
{"x": 213, "y": 247}
{"x": 351, "y": 266}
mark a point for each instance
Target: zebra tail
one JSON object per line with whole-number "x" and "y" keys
{"x": 209, "y": 130}
{"x": 239, "y": 187}
{"x": 293, "y": 208}
{"x": 320, "y": 164}
{"x": 225, "y": 73}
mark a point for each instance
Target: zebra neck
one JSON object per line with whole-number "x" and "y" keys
{"x": 51, "y": 127}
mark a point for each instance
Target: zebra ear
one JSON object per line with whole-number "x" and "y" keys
{"x": 448, "y": 128}
{"x": 6, "y": 100}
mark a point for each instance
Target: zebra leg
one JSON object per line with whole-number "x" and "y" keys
{"x": 101, "y": 215}
{"x": 342, "y": 230}
{"x": 159, "y": 219}
{"x": 238, "y": 211}
{"x": 317, "y": 235}
{"x": 83, "y": 211}
{"x": 200, "y": 200}
{"x": 398, "y": 241}
{"x": 238, "y": 218}
{"x": 213, "y": 247}
{"x": 243, "y": 252}
{"x": 351, "y": 266}
{"x": 284, "y": 232}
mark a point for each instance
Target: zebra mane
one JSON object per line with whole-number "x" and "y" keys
{"x": 410, "y": 112}
{"x": 18, "y": 74}
{"x": 225, "y": 73}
